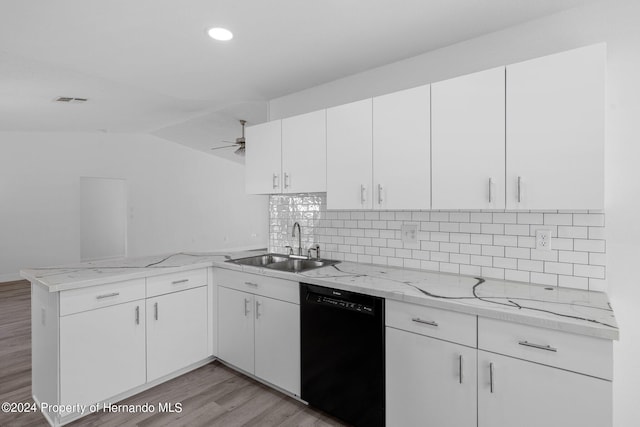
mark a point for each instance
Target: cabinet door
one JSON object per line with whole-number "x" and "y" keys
{"x": 514, "y": 392}
{"x": 177, "y": 331}
{"x": 555, "y": 131}
{"x": 468, "y": 141}
{"x": 401, "y": 150}
{"x": 102, "y": 353}
{"x": 304, "y": 153}
{"x": 428, "y": 384}
{"x": 235, "y": 328}
{"x": 277, "y": 343}
{"x": 349, "y": 156}
{"x": 263, "y": 158}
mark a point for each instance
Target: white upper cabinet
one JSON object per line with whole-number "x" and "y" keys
{"x": 468, "y": 141}
{"x": 263, "y": 162}
{"x": 555, "y": 131}
{"x": 401, "y": 150}
{"x": 349, "y": 156}
{"x": 304, "y": 153}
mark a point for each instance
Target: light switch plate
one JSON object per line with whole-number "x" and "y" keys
{"x": 543, "y": 240}
{"x": 409, "y": 232}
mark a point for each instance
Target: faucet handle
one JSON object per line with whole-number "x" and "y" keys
{"x": 316, "y": 248}
{"x": 290, "y": 249}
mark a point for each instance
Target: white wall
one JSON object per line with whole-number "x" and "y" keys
{"x": 614, "y": 22}
{"x": 179, "y": 199}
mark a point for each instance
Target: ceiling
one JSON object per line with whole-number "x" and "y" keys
{"x": 148, "y": 66}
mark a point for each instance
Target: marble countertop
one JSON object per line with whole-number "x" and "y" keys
{"x": 569, "y": 310}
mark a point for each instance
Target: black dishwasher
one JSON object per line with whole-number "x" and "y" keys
{"x": 342, "y": 354}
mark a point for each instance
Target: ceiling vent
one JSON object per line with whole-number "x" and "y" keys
{"x": 70, "y": 100}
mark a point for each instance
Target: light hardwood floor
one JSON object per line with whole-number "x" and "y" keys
{"x": 213, "y": 395}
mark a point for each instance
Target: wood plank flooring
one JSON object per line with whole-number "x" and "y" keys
{"x": 213, "y": 395}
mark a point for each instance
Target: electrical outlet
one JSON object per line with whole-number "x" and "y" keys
{"x": 409, "y": 233}
{"x": 543, "y": 240}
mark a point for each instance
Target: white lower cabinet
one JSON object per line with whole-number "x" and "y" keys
{"x": 236, "y": 328}
{"x": 429, "y": 382}
{"x": 513, "y": 392}
{"x": 102, "y": 353}
{"x": 277, "y": 340}
{"x": 177, "y": 331}
{"x": 257, "y": 333}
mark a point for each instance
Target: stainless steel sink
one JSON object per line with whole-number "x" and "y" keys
{"x": 260, "y": 260}
{"x": 283, "y": 262}
{"x": 298, "y": 265}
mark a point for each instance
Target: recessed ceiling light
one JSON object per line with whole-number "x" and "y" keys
{"x": 221, "y": 34}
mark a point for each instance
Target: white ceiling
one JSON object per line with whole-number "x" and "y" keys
{"x": 148, "y": 66}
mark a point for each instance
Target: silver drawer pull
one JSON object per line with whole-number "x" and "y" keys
{"x": 177, "y": 282}
{"x": 491, "y": 383}
{"x": 137, "y": 314}
{"x": 251, "y": 284}
{"x": 113, "y": 294}
{"x": 425, "y": 322}
{"x": 155, "y": 309}
{"x": 538, "y": 346}
{"x": 460, "y": 368}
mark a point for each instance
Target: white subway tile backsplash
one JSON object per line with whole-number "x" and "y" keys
{"x": 482, "y": 217}
{"x": 573, "y": 257}
{"x": 558, "y": 219}
{"x": 573, "y": 282}
{"x": 530, "y": 218}
{"x": 589, "y": 245}
{"x": 530, "y": 265}
{"x": 492, "y": 244}
{"x": 573, "y": 232}
{"x": 471, "y": 270}
{"x": 516, "y": 230}
{"x": 594, "y": 271}
{"x": 459, "y": 217}
{"x": 544, "y": 278}
{"x": 504, "y": 218}
{"x": 470, "y": 228}
{"x": 589, "y": 219}
{"x": 524, "y": 253}
{"x": 492, "y": 229}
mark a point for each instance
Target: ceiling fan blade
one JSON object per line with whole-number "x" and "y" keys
{"x": 226, "y": 146}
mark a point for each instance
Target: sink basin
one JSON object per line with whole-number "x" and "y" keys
{"x": 298, "y": 265}
{"x": 283, "y": 262}
{"x": 260, "y": 260}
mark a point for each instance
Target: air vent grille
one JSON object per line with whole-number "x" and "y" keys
{"x": 69, "y": 99}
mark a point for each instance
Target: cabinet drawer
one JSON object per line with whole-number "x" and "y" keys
{"x": 172, "y": 282}
{"x": 285, "y": 290}
{"x": 433, "y": 322}
{"x": 578, "y": 353}
{"x": 90, "y": 298}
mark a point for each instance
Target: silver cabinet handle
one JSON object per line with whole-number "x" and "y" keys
{"x": 460, "y": 368}
{"x": 490, "y": 185}
{"x": 257, "y": 309}
{"x": 155, "y": 309}
{"x": 519, "y": 189}
{"x": 363, "y": 189}
{"x": 112, "y": 294}
{"x": 425, "y": 322}
{"x": 177, "y": 282}
{"x": 275, "y": 180}
{"x": 286, "y": 180}
{"x": 538, "y": 346}
{"x": 246, "y": 307}
{"x": 255, "y": 285}
{"x": 137, "y": 314}
{"x": 379, "y": 194}
{"x": 491, "y": 387}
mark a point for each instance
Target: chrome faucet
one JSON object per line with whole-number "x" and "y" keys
{"x": 293, "y": 234}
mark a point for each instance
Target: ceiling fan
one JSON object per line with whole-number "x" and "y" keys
{"x": 239, "y": 142}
